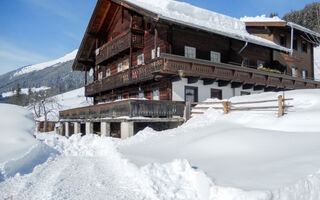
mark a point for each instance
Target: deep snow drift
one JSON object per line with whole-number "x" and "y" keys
{"x": 243, "y": 155}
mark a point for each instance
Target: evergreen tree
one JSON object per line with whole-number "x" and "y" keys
{"x": 16, "y": 98}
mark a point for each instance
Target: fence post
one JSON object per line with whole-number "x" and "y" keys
{"x": 187, "y": 111}
{"x": 225, "y": 107}
{"x": 280, "y": 106}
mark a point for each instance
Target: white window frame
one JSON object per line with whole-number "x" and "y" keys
{"x": 304, "y": 74}
{"x": 158, "y": 52}
{"x": 156, "y": 94}
{"x": 141, "y": 94}
{"x": 140, "y": 59}
{"x": 119, "y": 67}
{"x": 100, "y": 74}
{"x": 153, "y": 54}
{"x": 190, "y": 52}
{"x": 294, "y": 71}
{"x": 108, "y": 72}
{"x": 215, "y": 56}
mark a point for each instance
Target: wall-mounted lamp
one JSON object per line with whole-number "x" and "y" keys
{"x": 180, "y": 73}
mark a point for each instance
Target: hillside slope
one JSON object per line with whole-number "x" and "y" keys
{"x": 53, "y": 74}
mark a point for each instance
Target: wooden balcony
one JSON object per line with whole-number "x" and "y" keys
{"x": 168, "y": 65}
{"x": 119, "y": 45}
{"x": 130, "y": 108}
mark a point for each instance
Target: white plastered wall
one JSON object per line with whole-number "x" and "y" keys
{"x": 204, "y": 91}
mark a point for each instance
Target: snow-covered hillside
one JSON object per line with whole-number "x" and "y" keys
{"x": 41, "y": 66}
{"x": 317, "y": 63}
{"x": 24, "y": 91}
{"x": 243, "y": 155}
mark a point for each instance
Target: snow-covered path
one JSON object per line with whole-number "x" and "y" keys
{"x": 79, "y": 172}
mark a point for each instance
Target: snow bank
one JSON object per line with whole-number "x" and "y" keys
{"x": 317, "y": 63}
{"x": 261, "y": 18}
{"x": 20, "y": 152}
{"x": 207, "y": 20}
{"x": 41, "y": 66}
{"x": 24, "y": 91}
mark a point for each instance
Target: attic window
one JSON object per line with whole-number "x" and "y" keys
{"x": 189, "y": 52}
{"x": 283, "y": 40}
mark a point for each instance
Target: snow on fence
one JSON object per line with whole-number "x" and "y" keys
{"x": 228, "y": 106}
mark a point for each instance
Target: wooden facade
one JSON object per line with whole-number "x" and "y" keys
{"x": 300, "y": 59}
{"x": 133, "y": 53}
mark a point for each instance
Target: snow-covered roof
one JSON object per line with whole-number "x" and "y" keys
{"x": 263, "y": 18}
{"x": 187, "y": 14}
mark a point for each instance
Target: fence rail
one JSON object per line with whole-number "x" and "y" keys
{"x": 228, "y": 106}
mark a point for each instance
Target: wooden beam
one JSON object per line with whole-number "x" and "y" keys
{"x": 193, "y": 80}
{"x": 175, "y": 78}
{"x": 258, "y": 87}
{"x": 269, "y": 89}
{"x": 104, "y": 15}
{"x": 222, "y": 83}
{"x": 247, "y": 86}
{"x": 208, "y": 81}
{"x": 236, "y": 84}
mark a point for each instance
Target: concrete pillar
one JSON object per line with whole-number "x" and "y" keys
{"x": 76, "y": 126}
{"x": 66, "y": 128}
{"x": 58, "y": 128}
{"x": 89, "y": 128}
{"x": 127, "y": 129}
{"x": 105, "y": 129}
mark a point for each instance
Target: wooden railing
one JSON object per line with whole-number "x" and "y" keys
{"x": 119, "y": 45}
{"x": 124, "y": 78}
{"x": 228, "y": 106}
{"x": 169, "y": 65}
{"x": 130, "y": 108}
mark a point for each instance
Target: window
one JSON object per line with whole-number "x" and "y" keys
{"x": 119, "y": 67}
{"x": 283, "y": 40}
{"x": 246, "y": 61}
{"x": 295, "y": 44}
{"x": 108, "y": 72}
{"x": 216, "y": 94}
{"x": 158, "y": 52}
{"x": 304, "y": 47}
{"x": 189, "y": 52}
{"x": 141, "y": 94}
{"x": 304, "y": 74}
{"x": 215, "y": 56}
{"x": 190, "y": 94}
{"x": 294, "y": 71}
{"x": 153, "y": 54}
{"x": 140, "y": 59}
{"x": 100, "y": 75}
{"x": 125, "y": 64}
{"x": 244, "y": 93}
{"x": 156, "y": 94}
{"x": 119, "y": 97}
{"x": 260, "y": 63}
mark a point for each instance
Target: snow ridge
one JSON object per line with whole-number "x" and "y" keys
{"x": 261, "y": 18}
{"x": 41, "y": 66}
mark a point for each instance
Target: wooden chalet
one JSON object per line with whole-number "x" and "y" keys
{"x": 135, "y": 52}
{"x": 300, "y": 40}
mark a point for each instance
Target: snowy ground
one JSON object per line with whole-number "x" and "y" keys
{"x": 243, "y": 155}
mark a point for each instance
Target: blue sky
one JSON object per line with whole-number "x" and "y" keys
{"x": 34, "y": 31}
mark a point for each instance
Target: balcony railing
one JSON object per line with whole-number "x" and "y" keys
{"x": 169, "y": 65}
{"x": 119, "y": 45}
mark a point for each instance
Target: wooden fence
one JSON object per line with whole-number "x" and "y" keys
{"x": 228, "y": 106}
